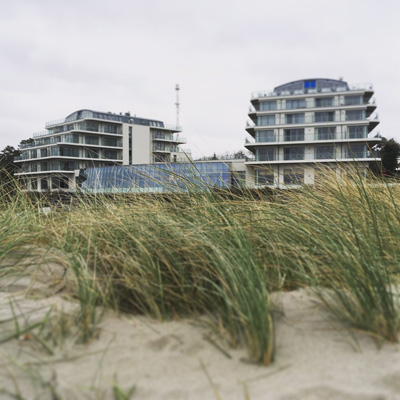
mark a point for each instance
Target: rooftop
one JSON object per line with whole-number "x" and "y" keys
{"x": 313, "y": 85}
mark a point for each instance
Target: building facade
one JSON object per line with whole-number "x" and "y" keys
{"x": 91, "y": 139}
{"x": 303, "y": 127}
{"x": 165, "y": 177}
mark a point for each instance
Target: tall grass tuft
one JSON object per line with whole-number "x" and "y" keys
{"x": 223, "y": 253}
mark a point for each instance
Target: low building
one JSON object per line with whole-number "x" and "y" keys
{"x": 165, "y": 177}
{"x": 303, "y": 126}
{"x": 91, "y": 139}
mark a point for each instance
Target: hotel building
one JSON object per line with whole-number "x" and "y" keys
{"x": 52, "y": 159}
{"x": 305, "y": 125}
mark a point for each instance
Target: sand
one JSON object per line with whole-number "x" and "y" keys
{"x": 316, "y": 358}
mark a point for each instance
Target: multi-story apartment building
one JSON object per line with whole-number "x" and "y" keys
{"x": 87, "y": 139}
{"x": 306, "y": 124}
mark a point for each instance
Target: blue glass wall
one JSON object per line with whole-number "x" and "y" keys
{"x": 173, "y": 177}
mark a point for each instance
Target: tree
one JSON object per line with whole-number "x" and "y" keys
{"x": 7, "y": 166}
{"x": 389, "y": 151}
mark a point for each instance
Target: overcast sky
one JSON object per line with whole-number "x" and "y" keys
{"x": 59, "y": 56}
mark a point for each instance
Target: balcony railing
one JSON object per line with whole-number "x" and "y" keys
{"x": 313, "y": 103}
{"x": 321, "y": 119}
{"x": 352, "y": 87}
{"x": 315, "y": 157}
{"x": 281, "y": 138}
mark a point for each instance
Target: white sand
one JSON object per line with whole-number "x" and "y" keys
{"x": 315, "y": 357}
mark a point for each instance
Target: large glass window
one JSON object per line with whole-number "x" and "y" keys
{"x": 264, "y": 176}
{"x": 324, "y": 102}
{"x": 60, "y": 182}
{"x": 297, "y": 103}
{"x": 326, "y": 133}
{"x": 325, "y": 153}
{"x": 265, "y": 154}
{"x": 356, "y": 151}
{"x": 109, "y": 128}
{"x": 353, "y": 100}
{"x": 295, "y": 118}
{"x": 44, "y": 184}
{"x": 292, "y": 135}
{"x": 324, "y": 116}
{"x": 293, "y": 176}
{"x": 357, "y": 132}
{"x": 355, "y": 115}
{"x": 110, "y": 141}
{"x": 90, "y": 153}
{"x": 266, "y": 120}
{"x": 111, "y": 154}
{"x": 69, "y": 152}
{"x": 72, "y": 138}
{"x": 90, "y": 139}
{"x": 268, "y": 105}
{"x": 293, "y": 153}
{"x": 265, "y": 136}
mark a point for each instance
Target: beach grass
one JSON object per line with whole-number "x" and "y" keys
{"x": 221, "y": 254}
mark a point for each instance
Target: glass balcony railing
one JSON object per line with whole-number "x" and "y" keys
{"x": 317, "y": 136}
{"x": 314, "y": 157}
{"x": 314, "y": 103}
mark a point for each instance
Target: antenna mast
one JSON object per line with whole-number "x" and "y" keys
{"x": 177, "y": 104}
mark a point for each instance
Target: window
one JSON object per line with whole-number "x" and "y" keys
{"x": 110, "y": 154}
{"x": 89, "y": 126}
{"x": 291, "y": 135}
{"x": 59, "y": 182}
{"x": 108, "y": 128}
{"x": 265, "y": 136}
{"x": 265, "y": 154}
{"x": 72, "y": 138}
{"x": 353, "y": 100}
{"x": 295, "y": 118}
{"x": 69, "y": 152}
{"x": 298, "y": 103}
{"x": 293, "y": 176}
{"x": 34, "y": 184}
{"x": 264, "y": 176}
{"x": 357, "y": 132}
{"x": 325, "y": 153}
{"x": 238, "y": 179}
{"x": 266, "y": 120}
{"x": 324, "y": 102}
{"x": 356, "y": 151}
{"x": 326, "y": 133}
{"x": 90, "y": 139}
{"x": 130, "y": 145}
{"x": 293, "y": 153}
{"x": 89, "y": 153}
{"x": 309, "y": 84}
{"x": 44, "y": 184}
{"x": 355, "y": 115}
{"x": 268, "y": 105}
{"x": 110, "y": 141}
{"x": 324, "y": 116}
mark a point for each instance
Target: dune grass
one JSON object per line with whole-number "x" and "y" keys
{"x": 206, "y": 252}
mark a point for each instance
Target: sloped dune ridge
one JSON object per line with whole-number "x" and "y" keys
{"x": 42, "y": 357}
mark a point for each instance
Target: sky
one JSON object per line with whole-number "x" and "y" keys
{"x": 60, "y": 56}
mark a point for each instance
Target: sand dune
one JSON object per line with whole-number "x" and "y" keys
{"x": 315, "y": 357}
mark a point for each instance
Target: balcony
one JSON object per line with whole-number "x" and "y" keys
{"x": 168, "y": 137}
{"x": 373, "y": 136}
{"x": 309, "y": 103}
